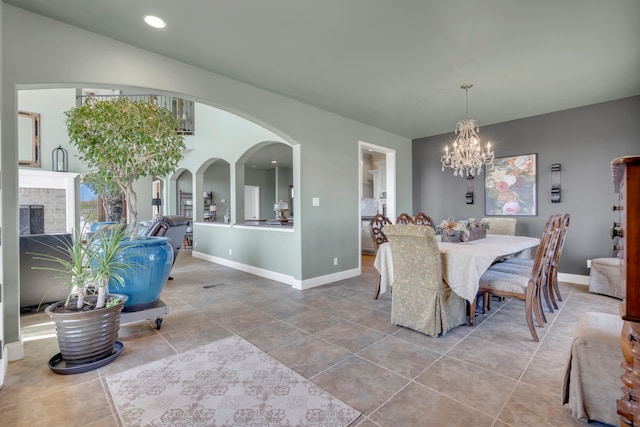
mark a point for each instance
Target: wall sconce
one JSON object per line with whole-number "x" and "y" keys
{"x": 555, "y": 183}
{"x": 469, "y": 195}
{"x": 59, "y": 162}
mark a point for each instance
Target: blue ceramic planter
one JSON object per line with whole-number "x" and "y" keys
{"x": 96, "y": 225}
{"x": 144, "y": 285}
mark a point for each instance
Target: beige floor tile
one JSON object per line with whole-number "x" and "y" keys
{"x": 402, "y": 357}
{"x": 481, "y": 389}
{"x": 462, "y": 378}
{"x": 360, "y": 384}
{"x": 530, "y": 406}
{"x": 76, "y": 405}
{"x": 417, "y": 405}
{"x": 310, "y": 356}
{"x": 503, "y": 360}
{"x": 379, "y": 320}
{"x": 312, "y": 321}
{"x": 351, "y": 336}
{"x": 273, "y": 335}
{"x": 547, "y": 374}
{"x": 346, "y": 310}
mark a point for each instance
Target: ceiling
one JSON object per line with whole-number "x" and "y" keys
{"x": 394, "y": 64}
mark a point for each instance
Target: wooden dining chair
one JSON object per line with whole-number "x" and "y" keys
{"x": 405, "y": 219}
{"x": 550, "y": 290}
{"x": 423, "y": 219}
{"x": 375, "y": 227}
{"x": 526, "y": 288}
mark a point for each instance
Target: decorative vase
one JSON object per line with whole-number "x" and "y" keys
{"x": 143, "y": 285}
{"x": 87, "y": 339}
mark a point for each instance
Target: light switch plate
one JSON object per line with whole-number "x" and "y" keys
{"x": 316, "y": 201}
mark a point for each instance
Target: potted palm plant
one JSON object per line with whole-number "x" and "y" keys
{"x": 126, "y": 140}
{"x": 88, "y": 320}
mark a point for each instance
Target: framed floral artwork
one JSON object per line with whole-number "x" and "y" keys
{"x": 511, "y": 186}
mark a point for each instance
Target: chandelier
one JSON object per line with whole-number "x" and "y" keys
{"x": 467, "y": 157}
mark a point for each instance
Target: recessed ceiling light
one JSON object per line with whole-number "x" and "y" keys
{"x": 154, "y": 21}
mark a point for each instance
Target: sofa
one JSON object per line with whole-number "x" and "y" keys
{"x": 38, "y": 286}
{"x": 172, "y": 226}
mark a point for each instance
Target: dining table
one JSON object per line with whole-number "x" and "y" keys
{"x": 462, "y": 263}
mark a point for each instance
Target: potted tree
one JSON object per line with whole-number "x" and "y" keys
{"x": 87, "y": 322}
{"x": 126, "y": 140}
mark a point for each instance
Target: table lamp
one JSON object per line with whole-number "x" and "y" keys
{"x": 280, "y": 207}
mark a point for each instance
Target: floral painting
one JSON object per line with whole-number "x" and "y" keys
{"x": 510, "y": 186}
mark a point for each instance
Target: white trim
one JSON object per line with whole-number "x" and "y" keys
{"x": 578, "y": 279}
{"x": 329, "y": 278}
{"x": 4, "y": 364}
{"x": 14, "y": 351}
{"x": 279, "y": 277}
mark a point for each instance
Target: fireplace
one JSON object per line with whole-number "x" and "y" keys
{"x": 47, "y": 201}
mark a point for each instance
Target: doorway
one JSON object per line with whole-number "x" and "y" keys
{"x": 251, "y": 203}
{"x": 376, "y": 188}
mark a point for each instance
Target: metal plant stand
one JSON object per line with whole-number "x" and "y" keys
{"x": 157, "y": 311}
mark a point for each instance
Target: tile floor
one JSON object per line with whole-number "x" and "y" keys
{"x": 338, "y": 336}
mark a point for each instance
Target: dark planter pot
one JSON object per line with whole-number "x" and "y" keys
{"x": 86, "y": 338}
{"x": 144, "y": 285}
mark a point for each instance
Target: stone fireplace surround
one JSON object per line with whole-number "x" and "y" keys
{"x": 58, "y": 192}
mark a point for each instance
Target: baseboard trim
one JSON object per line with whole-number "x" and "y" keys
{"x": 279, "y": 277}
{"x": 14, "y": 351}
{"x": 577, "y": 279}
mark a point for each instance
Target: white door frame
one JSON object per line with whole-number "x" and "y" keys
{"x": 391, "y": 185}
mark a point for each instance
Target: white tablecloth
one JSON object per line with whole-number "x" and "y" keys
{"x": 462, "y": 263}
{"x": 384, "y": 264}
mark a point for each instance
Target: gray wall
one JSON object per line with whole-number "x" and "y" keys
{"x": 583, "y": 140}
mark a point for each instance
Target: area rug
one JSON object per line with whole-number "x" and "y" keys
{"x": 226, "y": 383}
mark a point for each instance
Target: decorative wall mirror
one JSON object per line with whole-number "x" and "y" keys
{"x": 29, "y": 139}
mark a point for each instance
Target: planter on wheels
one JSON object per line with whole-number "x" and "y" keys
{"x": 144, "y": 285}
{"x": 87, "y": 339}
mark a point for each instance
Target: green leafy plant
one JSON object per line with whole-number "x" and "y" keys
{"x": 90, "y": 268}
{"x": 127, "y": 140}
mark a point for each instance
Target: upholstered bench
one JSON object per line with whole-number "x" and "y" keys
{"x": 592, "y": 376}
{"x": 604, "y": 277}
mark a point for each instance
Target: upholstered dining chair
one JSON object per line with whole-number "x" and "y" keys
{"x": 423, "y": 219}
{"x": 527, "y": 288}
{"x": 405, "y": 219}
{"x": 504, "y": 226}
{"x": 421, "y": 300}
{"x": 376, "y": 225}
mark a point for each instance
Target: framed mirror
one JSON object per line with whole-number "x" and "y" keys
{"x": 29, "y": 139}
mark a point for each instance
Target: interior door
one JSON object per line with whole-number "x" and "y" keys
{"x": 251, "y": 203}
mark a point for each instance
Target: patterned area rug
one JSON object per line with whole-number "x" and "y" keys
{"x": 226, "y": 383}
